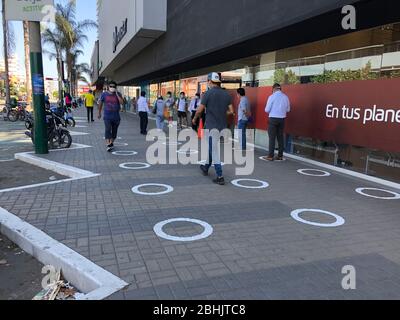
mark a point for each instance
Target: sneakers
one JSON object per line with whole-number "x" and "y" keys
{"x": 110, "y": 147}
{"x": 279, "y": 159}
{"x": 220, "y": 181}
{"x": 204, "y": 170}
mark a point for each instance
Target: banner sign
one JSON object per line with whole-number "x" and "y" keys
{"x": 359, "y": 113}
{"x": 30, "y": 10}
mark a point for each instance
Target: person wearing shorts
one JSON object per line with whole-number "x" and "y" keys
{"x": 182, "y": 112}
{"x": 111, "y": 100}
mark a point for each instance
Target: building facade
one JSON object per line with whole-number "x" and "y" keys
{"x": 342, "y": 82}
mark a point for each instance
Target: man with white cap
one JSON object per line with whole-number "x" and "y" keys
{"x": 217, "y": 103}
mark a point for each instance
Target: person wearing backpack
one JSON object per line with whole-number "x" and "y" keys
{"x": 244, "y": 114}
{"x": 159, "y": 111}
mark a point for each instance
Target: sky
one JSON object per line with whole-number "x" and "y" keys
{"x": 85, "y": 9}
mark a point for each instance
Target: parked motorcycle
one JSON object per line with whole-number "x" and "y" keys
{"x": 17, "y": 113}
{"x": 66, "y": 115}
{"x": 57, "y": 134}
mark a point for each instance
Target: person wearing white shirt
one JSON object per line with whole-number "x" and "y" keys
{"x": 182, "y": 105}
{"x": 143, "y": 108}
{"x": 194, "y": 104}
{"x": 278, "y": 106}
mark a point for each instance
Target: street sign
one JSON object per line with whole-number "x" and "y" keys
{"x": 30, "y": 10}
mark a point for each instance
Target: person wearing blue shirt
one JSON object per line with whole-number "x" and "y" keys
{"x": 278, "y": 106}
{"x": 244, "y": 113}
{"x": 111, "y": 100}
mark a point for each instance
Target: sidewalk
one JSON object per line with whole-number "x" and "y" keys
{"x": 256, "y": 251}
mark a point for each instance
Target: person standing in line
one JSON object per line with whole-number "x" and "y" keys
{"x": 194, "y": 104}
{"x": 159, "y": 111}
{"x": 278, "y": 106}
{"x": 218, "y": 103}
{"x": 170, "y": 103}
{"x": 112, "y": 101}
{"x": 134, "y": 105}
{"x": 143, "y": 108}
{"x": 244, "y": 113}
{"x": 182, "y": 112}
{"x": 89, "y": 104}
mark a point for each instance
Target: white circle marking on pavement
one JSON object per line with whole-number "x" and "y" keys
{"x": 322, "y": 173}
{"x": 395, "y": 195}
{"x": 124, "y": 153}
{"x": 208, "y": 230}
{"x": 203, "y": 162}
{"x": 262, "y": 158}
{"x": 187, "y": 151}
{"x": 263, "y": 184}
{"x": 137, "y": 189}
{"x": 339, "y": 220}
{"x": 172, "y": 143}
{"x": 140, "y": 165}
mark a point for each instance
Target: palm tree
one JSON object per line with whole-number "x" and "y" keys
{"x": 67, "y": 39}
{"x": 53, "y": 39}
{"x": 9, "y": 47}
{"x": 28, "y": 83}
{"x": 73, "y": 34}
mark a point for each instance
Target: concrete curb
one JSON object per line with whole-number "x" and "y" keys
{"x": 92, "y": 280}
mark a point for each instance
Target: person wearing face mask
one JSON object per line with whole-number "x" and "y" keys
{"x": 182, "y": 114}
{"x": 111, "y": 100}
{"x": 143, "y": 108}
{"x": 170, "y": 103}
{"x": 159, "y": 111}
{"x": 194, "y": 104}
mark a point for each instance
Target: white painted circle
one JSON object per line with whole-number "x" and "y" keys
{"x": 339, "y": 220}
{"x": 263, "y": 184}
{"x": 167, "y": 187}
{"x": 395, "y": 195}
{"x": 204, "y": 162}
{"x": 120, "y": 144}
{"x": 322, "y": 173}
{"x": 187, "y": 152}
{"x": 262, "y": 158}
{"x": 172, "y": 143}
{"x": 124, "y": 153}
{"x": 140, "y": 165}
{"x": 240, "y": 149}
{"x": 208, "y": 230}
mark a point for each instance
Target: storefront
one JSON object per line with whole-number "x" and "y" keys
{"x": 343, "y": 85}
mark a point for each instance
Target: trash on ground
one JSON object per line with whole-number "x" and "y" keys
{"x": 59, "y": 290}
{"x": 3, "y": 262}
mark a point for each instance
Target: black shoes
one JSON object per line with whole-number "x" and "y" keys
{"x": 110, "y": 147}
{"x": 204, "y": 170}
{"x": 220, "y": 181}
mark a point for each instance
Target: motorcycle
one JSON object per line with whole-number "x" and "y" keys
{"x": 57, "y": 134}
{"x": 17, "y": 113}
{"x": 66, "y": 115}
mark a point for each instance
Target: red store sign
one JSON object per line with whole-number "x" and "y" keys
{"x": 360, "y": 113}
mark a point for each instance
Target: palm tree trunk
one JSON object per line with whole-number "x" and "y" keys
{"x": 27, "y": 63}
{"x": 5, "y": 41}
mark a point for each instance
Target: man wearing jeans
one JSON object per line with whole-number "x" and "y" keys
{"x": 278, "y": 106}
{"x": 111, "y": 100}
{"x": 216, "y": 102}
{"x": 244, "y": 112}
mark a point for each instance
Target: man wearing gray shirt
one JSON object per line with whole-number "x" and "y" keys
{"x": 218, "y": 103}
{"x": 278, "y": 106}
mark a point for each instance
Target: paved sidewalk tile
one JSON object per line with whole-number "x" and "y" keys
{"x": 256, "y": 251}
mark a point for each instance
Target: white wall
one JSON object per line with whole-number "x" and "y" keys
{"x": 144, "y": 16}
